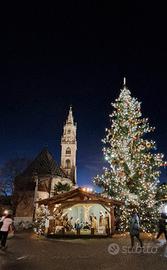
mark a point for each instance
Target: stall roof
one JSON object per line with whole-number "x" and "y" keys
{"x": 77, "y": 196}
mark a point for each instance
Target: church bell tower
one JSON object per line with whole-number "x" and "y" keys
{"x": 69, "y": 147}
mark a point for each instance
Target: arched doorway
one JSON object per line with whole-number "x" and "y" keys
{"x": 68, "y": 164}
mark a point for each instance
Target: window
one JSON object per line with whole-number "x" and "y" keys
{"x": 69, "y": 131}
{"x": 68, "y": 151}
{"x": 68, "y": 164}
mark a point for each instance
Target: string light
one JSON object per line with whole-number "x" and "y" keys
{"x": 133, "y": 167}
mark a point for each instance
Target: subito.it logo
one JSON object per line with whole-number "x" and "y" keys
{"x": 113, "y": 249}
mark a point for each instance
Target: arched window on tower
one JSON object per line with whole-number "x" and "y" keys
{"x": 68, "y": 151}
{"x": 68, "y": 164}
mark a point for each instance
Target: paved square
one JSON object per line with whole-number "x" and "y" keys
{"x": 25, "y": 252}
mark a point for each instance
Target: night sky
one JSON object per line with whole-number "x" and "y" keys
{"x": 52, "y": 57}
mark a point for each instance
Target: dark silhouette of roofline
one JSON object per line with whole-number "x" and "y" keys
{"x": 44, "y": 164}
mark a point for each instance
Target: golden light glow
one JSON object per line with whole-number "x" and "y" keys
{"x": 87, "y": 189}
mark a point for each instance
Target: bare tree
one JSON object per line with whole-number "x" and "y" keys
{"x": 8, "y": 172}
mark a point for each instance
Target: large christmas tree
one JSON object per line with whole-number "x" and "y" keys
{"x": 133, "y": 166}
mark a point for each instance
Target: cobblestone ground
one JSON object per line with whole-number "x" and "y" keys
{"x": 25, "y": 252}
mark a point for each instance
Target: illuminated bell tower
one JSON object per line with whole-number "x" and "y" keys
{"x": 69, "y": 148}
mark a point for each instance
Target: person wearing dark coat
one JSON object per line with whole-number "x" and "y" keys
{"x": 135, "y": 229}
{"x": 162, "y": 227}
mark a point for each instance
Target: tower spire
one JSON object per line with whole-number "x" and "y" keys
{"x": 70, "y": 119}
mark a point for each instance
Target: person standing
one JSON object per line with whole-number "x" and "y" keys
{"x": 46, "y": 226}
{"x": 70, "y": 224}
{"x": 101, "y": 219}
{"x": 94, "y": 223}
{"x": 6, "y": 225}
{"x": 107, "y": 223}
{"x": 135, "y": 229}
{"x": 162, "y": 227}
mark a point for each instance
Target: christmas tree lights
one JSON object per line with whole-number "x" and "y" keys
{"x": 133, "y": 170}
{"x": 162, "y": 192}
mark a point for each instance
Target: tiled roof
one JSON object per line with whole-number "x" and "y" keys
{"x": 43, "y": 164}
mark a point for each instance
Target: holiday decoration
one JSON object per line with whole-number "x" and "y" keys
{"x": 42, "y": 216}
{"x": 60, "y": 187}
{"x": 162, "y": 192}
{"x": 133, "y": 166}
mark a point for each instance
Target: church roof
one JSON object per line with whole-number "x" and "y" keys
{"x": 43, "y": 164}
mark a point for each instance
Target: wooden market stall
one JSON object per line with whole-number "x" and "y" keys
{"x": 74, "y": 201}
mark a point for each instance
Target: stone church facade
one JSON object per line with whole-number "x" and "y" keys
{"x": 43, "y": 178}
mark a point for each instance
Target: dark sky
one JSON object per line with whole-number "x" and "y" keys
{"x": 77, "y": 54}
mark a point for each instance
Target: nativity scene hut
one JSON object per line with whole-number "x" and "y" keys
{"x": 79, "y": 212}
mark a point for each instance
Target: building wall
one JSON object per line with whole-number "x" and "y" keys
{"x": 25, "y": 207}
{"x": 26, "y": 200}
{"x": 25, "y": 221}
{"x": 41, "y": 195}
